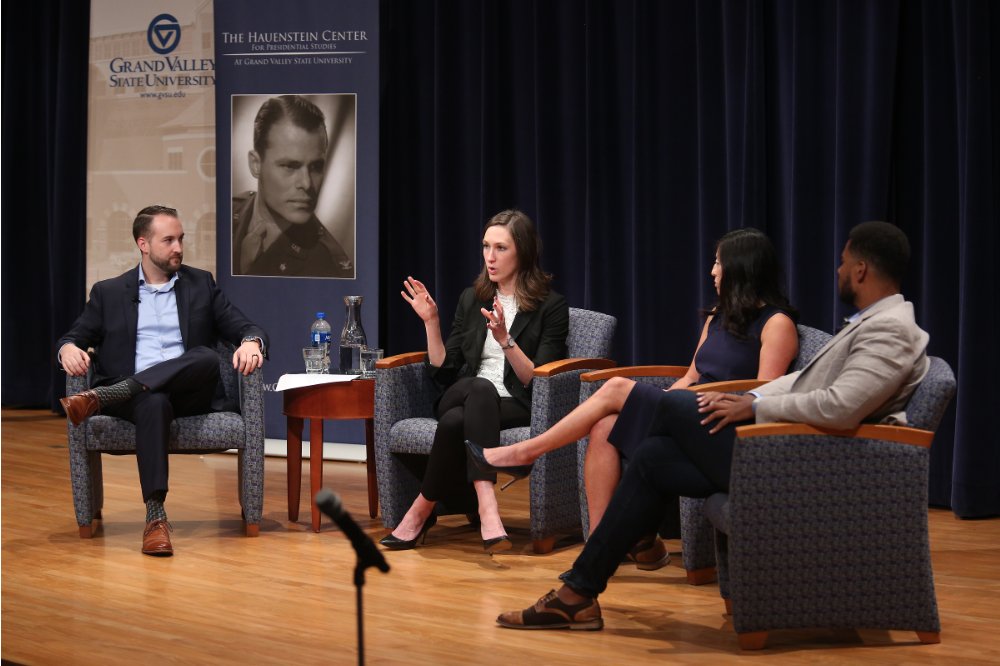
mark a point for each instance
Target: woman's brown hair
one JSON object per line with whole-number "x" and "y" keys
{"x": 532, "y": 284}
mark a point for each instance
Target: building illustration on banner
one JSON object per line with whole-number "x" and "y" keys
{"x": 151, "y": 128}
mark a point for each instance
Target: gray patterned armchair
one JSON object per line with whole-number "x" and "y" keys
{"x": 405, "y": 425}
{"x": 205, "y": 433}
{"x": 697, "y": 534}
{"x": 824, "y": 529}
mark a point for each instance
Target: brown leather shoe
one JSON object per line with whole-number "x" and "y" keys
{"x": 551, "y": 613}
{"x": 80, "y": 406}
{"x": 649, "y": 554}
{"x": 156, "y": 539}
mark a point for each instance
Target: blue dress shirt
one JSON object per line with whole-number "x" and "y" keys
{"x": 158, "y": 335}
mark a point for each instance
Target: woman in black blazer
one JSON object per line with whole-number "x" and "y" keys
{"x": 507, "y": 323}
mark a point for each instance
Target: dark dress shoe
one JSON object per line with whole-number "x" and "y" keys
{"x": 80, "y": 406}
{"x": 395, "y": 543}
{"x": 497, "y": 544}
{"x": 156, "y": 539}
{"x": 479, "y": 461}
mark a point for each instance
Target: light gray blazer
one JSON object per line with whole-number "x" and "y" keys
{"x": 867, "y": 372}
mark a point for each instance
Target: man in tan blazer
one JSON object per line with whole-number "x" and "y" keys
{"x": 867, "y": 372}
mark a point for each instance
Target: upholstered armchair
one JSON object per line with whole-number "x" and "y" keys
{"x": 697, "y": 534}
{"x": 405, "y": 425}
{"x": 205, "y": 433}
{"x": 828, "y": 529}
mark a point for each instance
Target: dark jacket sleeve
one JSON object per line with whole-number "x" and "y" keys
{"x": 88, "y": 329}
{"x": 543, "y": 340}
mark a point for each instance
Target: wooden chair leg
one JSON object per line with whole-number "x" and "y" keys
{"x": 929, "y": 636}
{"x": 86, "y": 531}
{"x": 543, "y": 546}
{"x": 253, "y": 529}
{"x": 752, "y": 640}
{"x": 701, "y": 576}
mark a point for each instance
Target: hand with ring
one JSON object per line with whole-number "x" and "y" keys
{"x": 247, "y": 357}
{"x": 495, "y": 322}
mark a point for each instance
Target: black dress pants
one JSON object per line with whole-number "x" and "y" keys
{"x": 183, "y": 386}
{"x": 470, "y": 409}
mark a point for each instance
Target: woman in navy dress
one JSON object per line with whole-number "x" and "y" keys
{"x": 749, "y": 334}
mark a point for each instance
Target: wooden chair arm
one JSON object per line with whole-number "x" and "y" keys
{"x": 891, "y": 433}
{"x": 401, "y": 359}
{"x": 567, "y": 364}
{"x": 732, "y": 386}
{"x": 635, "y": 371}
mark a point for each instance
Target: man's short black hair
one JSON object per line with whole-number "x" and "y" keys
{"x": 882, "y": 245}
{"x": 300, "y": 111}
{"x": 140, "y": 227}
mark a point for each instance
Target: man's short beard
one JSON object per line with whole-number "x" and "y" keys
{"x": 164, "y": 265}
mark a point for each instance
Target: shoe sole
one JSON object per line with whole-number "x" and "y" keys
{"x": 500, "y": 547}
{"x": 653, "y": 566}
{"x": 589, "y": 625}
{"x": 158, "y": 553}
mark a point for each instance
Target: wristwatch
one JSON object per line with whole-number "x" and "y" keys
{"x": 510, "y": 342}
{"x": 254, "y": 338}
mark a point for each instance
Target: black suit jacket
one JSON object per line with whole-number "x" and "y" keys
{"x": 110, "y": 319}
{"x": 541, "y": 335}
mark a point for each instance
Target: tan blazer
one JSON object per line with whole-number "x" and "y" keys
{"x": 867, "y": 372}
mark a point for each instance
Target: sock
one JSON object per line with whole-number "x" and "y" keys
{"x": 155, "y": 510}
{"x": 118, "y": 393}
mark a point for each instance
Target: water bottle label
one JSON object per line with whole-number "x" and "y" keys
{"x": 320, "y": 338}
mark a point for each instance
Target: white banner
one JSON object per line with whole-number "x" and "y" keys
{"x": 151, "y": 127}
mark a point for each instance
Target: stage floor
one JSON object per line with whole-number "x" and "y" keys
{"x": 288, "y": 596}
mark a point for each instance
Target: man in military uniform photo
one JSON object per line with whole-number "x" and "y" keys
{"x": 275, "y": 230}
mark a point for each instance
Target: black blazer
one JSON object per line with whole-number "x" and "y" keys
{"x": 110, "y": 319}
{"x": 541, "y": 335}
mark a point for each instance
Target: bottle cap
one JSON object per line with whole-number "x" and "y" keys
{"x": 320, "y": 315}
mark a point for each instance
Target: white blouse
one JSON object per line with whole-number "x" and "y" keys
{"x": 492, "y": 363}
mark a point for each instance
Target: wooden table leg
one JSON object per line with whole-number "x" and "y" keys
{"x": 315, "y": 466}
{"x": 294, "y": 461}
{"x": 370, "y": 464}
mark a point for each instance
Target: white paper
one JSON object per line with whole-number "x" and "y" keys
{"x": 298, "y": 380}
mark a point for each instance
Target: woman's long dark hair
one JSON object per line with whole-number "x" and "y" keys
{"x": 532, "y": 285}
{"x": 751, "y": 279}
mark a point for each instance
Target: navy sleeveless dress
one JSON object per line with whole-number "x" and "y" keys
{"x": 722, "y": 357}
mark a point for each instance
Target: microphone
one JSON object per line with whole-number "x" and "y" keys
{"x": 136, "y": 300}
{"x": 368, "y": 555}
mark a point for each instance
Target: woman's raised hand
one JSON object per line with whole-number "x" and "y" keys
{"x": 419, "y": 298}
{"x": 495, "y": 322}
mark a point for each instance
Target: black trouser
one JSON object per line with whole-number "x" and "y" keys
{"x": 470, "y": 409}
{"x": 678, "y": 458}
{"x": 183, "y": 386}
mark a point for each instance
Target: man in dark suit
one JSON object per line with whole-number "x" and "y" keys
{"x": 155, "y": 328}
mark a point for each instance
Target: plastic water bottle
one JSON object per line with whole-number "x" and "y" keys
{"x": 319, "y": 336}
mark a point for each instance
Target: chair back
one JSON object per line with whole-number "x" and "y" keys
{"x": 811, "y": 340}
{"x": 929, "y": 402}
{"x": 590, "y": 334}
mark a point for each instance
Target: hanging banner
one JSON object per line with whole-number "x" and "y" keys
{"x": 151, "y": 127}
{"x": 297, "y": 116}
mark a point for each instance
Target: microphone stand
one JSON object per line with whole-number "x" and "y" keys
{"x": 362, "y": 563}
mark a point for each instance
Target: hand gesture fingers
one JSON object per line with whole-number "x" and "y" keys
{"x": 419, "y": 298}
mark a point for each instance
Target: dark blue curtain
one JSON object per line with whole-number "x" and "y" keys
{"x": 635, "y": 133}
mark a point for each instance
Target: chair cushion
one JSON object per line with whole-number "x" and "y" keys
{"x": 218, "y": 431}
{"x": 716, "y": 509}
{"x": 417, "y": 435}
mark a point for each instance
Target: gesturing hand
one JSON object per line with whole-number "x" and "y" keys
{"x": 419, "y": 299}
{"x": 495, "y": 322}
{"x": 725, "y": 408}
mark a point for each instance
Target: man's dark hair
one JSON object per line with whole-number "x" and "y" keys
{"x": 300, "y": 111}
{"x": 140, "y": 227}
{"x": 884, "y": 246}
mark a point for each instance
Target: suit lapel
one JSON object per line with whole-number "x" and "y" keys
{"x": 520, "y": 321}
{"x": 130, "y": 306}
{"x": 183, "y": 306}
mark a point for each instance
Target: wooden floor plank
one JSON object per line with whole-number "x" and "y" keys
{"x": 287, "y": 596}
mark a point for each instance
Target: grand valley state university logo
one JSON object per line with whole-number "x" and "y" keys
{"x": 163, "y": 34}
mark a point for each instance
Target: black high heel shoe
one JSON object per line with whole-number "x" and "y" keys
{"x": 395, "y": 543}
{"x": 497, "y": 544}
{"x": 483, "y": 465}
